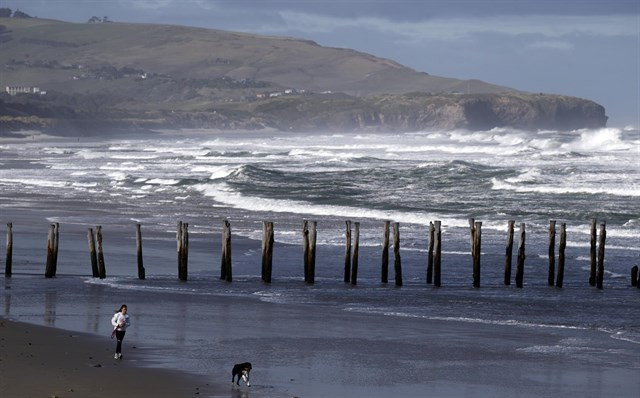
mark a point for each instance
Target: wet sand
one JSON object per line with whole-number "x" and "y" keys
{"x": 38, "y": 361}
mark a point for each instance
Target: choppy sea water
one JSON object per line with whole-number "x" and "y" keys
{"x": 412, "y": 178}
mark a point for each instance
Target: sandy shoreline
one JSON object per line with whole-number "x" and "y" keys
{"x": 38, "y": 361}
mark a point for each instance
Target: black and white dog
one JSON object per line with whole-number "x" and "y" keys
{"x": 242, "y": 371}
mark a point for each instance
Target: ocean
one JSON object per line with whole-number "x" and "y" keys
{"x": 310, "y": 335}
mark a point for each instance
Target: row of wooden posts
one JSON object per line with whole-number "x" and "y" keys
{"x": 309, "y": 232}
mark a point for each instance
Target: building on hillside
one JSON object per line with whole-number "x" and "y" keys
{"x": 13, "y": 90}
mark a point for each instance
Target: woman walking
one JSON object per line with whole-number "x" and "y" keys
{"x": 120, "y": 322}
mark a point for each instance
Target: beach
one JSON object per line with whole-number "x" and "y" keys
{"x": 329, "y": 338}
{"x": 39, "y": 361}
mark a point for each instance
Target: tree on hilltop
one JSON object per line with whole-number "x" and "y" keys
{"x": 5, "y": 12}
{"x": 20, "y": 14}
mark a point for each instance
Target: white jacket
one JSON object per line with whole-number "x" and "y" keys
{"x": 120, "y": 322}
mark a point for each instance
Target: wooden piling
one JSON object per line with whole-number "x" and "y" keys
{"x": 48, "y": 271}
{"x": 397, "y": 263}
{"x": 268, "y": 252}
{"x": 592, "y": 274}
{"x": 384, "y": 277}
{"x": 521, "y": 257}
{"x": 472, "y": 232}
{"x": 354, "y": 260}
{"x": 561, "y": 248}
{"x": 476, "y": 246}
{"x": 305, "y": 248}
{"x": 601, "y": 243}
{"x": 9, "y": 253}
{"x": 347, "y": 252}
{"x": 225, "y": 262}
{"x": 430, "y": 254}
{"x": 55, "y": 248}
{"x": 179, "y": 244}
{"x": 634, "y": 275}
{"x": 263, "y": 267}
{"x": 141, "y": 273}
{"x": 102, "y": 270}
{"x": 508, "y": 254}
{"x": 92, "y": 253}
{"x": 183, "y": 253}
{"x": 551, "y": 252}
{"x": 313, "y": 233}
{"x": 436, "y": 258}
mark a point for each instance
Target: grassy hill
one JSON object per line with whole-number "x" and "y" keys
{"x": 101, "y": 76}
{"x": 196, "y": 53}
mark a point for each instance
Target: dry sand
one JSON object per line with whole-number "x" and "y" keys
{"x": 37, "y": 361}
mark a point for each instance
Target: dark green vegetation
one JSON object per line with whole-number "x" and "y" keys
{"x": 118, "y": 75}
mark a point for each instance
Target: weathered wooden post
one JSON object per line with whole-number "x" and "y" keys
{"x": 141, "y": 273}
{"x": 226, "y": 251}
{"x": 634, "y": 275}
{"x": 521, "y": 257}
{"x": 552, "y": 253}
{"x": 508, "y": 254}
{"x": 179, "y": 248}
{"x": 356, "y": 246}
{"x": 436, "y": 258}
{"x": 55, "y": 248}
{"x": 9, "y": 254}
{"x": 601, "y": 242}
{"x": 477, "y": 239}
{"x": 183, "y": 261}
{"x": 48, "y": 271}
{"x": 397, "y": 263}
{"x": 385, "y": 253}
{"x": 347, "y": 253}
{"x": 268, "y": 252}
{"x": 472, "y": 232}
{"x": 305, "y": 248}
{"x": 430, "y": 253}
{"x": 263, "y": 267}
{"x": 592, "y": 274}
{"x": 92, "y": 253}
{"x": 313, "y": 233}
{"x": 102, "y": 270}
{"x": 561, "y": 248}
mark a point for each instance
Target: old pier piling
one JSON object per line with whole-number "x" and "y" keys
{"x": 93, "y": 255}
{"x": 267, "y": 250}
{"x": 48, "y": 271}
{"x": 347, "y": 252}
{"x": 313, "y": 233}
{"x": 55, "y": 248}
{"x": 437, "y": 254}
{"x": 384, "y": 277}
{"x": 634, "y": 275}
{"x": 592, "y": 274}
{"x": 552, "y": 257}
{"x": 182, "y": 241}
{"x": 508, "y": 254}
{"x": 521, "y": 257}
{"x": 141, "y": 273}
{"x": 397, "y": 263}
{"x": 9, "y": 253}
{"x": 226, "y": 272}
{"x": 561, "y": 248}
{"x": 601, "y": 243}
{"x": 430, "y": 253}
{"x": 354, "y": 259}
{"x": 102, "y": 269}
{"x": 476, "y": 247}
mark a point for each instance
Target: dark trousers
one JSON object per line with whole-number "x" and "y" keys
{"x": 119, "y": 337}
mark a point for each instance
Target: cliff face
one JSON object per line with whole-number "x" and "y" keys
{"x": 409, "y": 112}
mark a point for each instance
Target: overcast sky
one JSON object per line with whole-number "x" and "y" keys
{"x": 585, "y": 48}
